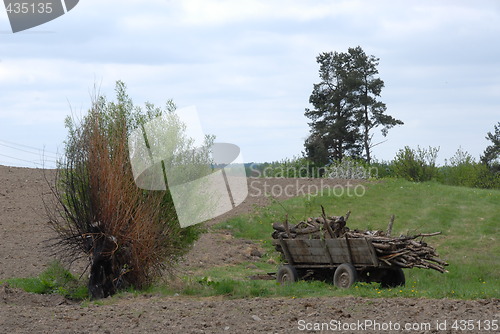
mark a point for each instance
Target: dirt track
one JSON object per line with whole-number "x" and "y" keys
{"x": 23, "y": 232}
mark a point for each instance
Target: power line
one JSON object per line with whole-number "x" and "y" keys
{"x": 38, "y": 153}
{"x": 26, "y": 146}
{"x": 42, "y": 153}
{"x": 30, "y": 161}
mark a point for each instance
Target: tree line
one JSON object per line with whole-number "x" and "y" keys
{"x": 347, "y": 109}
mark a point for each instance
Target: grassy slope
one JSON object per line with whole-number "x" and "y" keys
{"x": 469, "y": 219}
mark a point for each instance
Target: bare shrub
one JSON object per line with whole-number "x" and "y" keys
{"x": 130, "y": 235}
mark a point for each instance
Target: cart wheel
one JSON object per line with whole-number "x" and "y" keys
{"x": 345, "y": 276}
{"x": 393, "y": 278}
{"x": 287, "y": 274}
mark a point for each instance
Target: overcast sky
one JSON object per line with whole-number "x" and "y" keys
{"x": 249, "y": 68}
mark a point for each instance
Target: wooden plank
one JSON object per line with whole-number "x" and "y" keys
{"x": 330, "y": 251}
{"x": 307, "y": 259}
{"x": 372, "y": 252}
{"x": 338, "y": 251}
{"x": 312, "y": 266}
{"x": 284, "y": 246}
{"x": 307, "y": 251}
{"x": 327, "y": 251}
{"x": 349, "y": 253}
{"x": 360, "y": 252}
{"x": 295, "y": 251}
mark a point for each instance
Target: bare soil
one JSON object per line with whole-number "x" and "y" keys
{"x": 23, "y": 252}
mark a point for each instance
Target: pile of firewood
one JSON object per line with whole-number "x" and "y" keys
{"x": 403, "y": 251}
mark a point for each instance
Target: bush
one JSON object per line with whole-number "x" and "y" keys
{"x": 350, "y": 168}
{"x": 416, "y": 165}
{"x": 463, "y": 170}
{"x": 382, "y": 169}
{"x": 301, "y": 167}
{"x": 130, "y": 235}
{"x": 486, "y": 177}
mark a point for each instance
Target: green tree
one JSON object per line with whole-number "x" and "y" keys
{"x": 333, "y": 128}
{"x": 370, "y": 113}
{"x": 316, "y": 150}
{"x": 491, "y": 155}
{"x": 346, "y": 107}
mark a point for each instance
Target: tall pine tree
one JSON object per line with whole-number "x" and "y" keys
{"x": 491, "y": 155}
{"x": 370, "y": 113}
{"x": 333, "y": 126}
{"x": 346, "y": 109}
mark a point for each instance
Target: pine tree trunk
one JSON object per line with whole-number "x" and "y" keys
{"x": 366, "y": 137}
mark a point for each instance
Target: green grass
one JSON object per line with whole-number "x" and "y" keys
{"x": 468, "y": 218}
{"x": 55, "y": 279}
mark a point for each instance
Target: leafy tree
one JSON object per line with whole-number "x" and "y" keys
{"x": 346, "y": 108}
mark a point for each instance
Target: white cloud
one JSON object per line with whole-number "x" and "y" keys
{"x": 31, "y": 71}
{"x": 249, "y": 66}
{"x": 220, "y": 12}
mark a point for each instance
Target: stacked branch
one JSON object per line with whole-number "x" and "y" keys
{"x": 402, "y": 251}
{"x": 312, "y": 228}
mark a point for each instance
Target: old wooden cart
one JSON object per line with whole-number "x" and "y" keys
{"x": 346, "y": 260}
